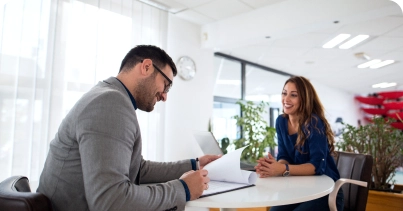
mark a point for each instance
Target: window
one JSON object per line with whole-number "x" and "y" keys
{"x": 228, "y": 78}
{"x": 51, "y": 53}
{"x": 237, "y": 79}
{"x": 223, "y": 124}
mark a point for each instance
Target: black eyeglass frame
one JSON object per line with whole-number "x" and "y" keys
{"x": 166, "y": 88}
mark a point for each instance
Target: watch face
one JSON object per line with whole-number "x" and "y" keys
{"x": 186, "y": 68}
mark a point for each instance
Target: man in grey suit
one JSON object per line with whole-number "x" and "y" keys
{"x": 95, "y": 162}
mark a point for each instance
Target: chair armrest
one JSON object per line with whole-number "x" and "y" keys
{"x": 15, "y": 194}
{"x": 337, "y": 185}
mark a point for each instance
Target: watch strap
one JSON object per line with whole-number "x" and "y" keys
{"x": 287, "y": 170}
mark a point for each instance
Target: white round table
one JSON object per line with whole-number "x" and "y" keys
{"x": 270, "y": 191}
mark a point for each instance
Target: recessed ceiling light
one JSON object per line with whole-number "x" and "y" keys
{"x": 367, "y": 64}
{"x": 384, "y": 85}
{"x": 357, "y": 39}
{"x": 381, "y": 64}
{"x": 335, "y": 41}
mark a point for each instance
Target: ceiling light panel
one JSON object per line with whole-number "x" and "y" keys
{"x": 354, "y": 41}
{"x": 384, "y": 85}
{"x": 382, "y": 64}
{"x": 337, "y": 40}
{"x": 368, "y": 64}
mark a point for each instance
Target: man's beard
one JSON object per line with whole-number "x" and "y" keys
{"x": 144, "y": 94}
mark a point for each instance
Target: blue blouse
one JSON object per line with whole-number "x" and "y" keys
{"x": 315, "y": 149}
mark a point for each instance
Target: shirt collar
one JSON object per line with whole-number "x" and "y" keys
{"x": 130, "y": 95}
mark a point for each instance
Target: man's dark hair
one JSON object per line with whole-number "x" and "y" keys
{"x": 159, "y": 57}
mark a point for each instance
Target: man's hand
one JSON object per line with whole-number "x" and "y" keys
{"x": 206, "y": 159}
{"x": 196, "y": 182}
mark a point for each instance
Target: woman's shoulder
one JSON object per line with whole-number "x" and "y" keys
{"x": 281, "y": 121}
{"x": 281, "y": 118}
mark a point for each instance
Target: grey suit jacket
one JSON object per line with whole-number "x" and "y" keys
{"x": 95, "y": 162}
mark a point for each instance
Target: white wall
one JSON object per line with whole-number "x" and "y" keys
{"x": 338, "y": 104}
{"x": 190, "y": 103}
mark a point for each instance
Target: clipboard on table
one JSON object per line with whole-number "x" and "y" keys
{"x": 217, "y": 187}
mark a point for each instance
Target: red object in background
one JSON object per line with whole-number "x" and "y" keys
{"x": 375, "y": 111}
{"x": 368, "y": 119}
{"x": 393, "y": 105}
{"x": 394, "y": 115}
{"x": 370, "y": 100}
{"x": 398, "y": 125}
{"x": 391, "y": 95}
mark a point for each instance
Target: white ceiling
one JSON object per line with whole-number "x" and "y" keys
{"x": 297, "y": 31}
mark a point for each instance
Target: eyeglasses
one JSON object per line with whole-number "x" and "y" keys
{"x": 167, "y": 87}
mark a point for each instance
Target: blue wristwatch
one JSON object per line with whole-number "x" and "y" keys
{"x": 287, "y": 171}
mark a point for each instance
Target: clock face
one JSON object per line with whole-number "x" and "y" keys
{"x": 186, "y": 68}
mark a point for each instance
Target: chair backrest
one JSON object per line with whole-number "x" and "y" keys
{"x": 15, "y": 194}
{"x": 357, "y": 167}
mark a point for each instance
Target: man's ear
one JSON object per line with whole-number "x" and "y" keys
{"x": 146, "y": 66}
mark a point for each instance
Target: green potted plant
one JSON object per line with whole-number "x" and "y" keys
{"x": 380, "y": 140}
{"x": 256, "y": 133}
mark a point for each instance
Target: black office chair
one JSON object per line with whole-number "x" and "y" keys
{"x": 354, "y": 169}
{"x": 15, "y": 194}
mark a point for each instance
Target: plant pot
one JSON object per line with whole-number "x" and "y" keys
{"x": 380, "y": 200}
{"x": 398, "y": 187}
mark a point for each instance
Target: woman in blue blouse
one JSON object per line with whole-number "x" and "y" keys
{"x": 305, "y": 142}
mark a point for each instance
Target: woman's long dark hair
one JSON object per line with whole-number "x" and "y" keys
{"x": 309, "y": 105}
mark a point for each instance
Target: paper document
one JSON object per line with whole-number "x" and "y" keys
{"x": 225, "y": 174}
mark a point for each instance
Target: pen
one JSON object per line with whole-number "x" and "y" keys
{"x": 197, "y": 164}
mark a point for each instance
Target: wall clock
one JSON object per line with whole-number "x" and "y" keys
{"x": 186, "y": 68}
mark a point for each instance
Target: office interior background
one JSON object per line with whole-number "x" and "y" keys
{"x": 53, "y": 51}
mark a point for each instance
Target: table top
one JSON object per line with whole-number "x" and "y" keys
{"x": 270, "y": 191}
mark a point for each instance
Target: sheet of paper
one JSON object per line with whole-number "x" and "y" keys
{"x": 225, "y": 174}
{"x": 227, "y": 169}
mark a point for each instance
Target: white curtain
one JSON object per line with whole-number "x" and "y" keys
{"x": 51, "y": 53}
